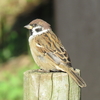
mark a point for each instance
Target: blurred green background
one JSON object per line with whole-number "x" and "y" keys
{"x": 15, "y": 57}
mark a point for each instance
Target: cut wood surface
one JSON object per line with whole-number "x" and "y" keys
{"x": 50, "y": 86}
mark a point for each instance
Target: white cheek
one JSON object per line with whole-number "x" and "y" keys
{"x": 38, "y": 33}
{"x": 35, "y": 33}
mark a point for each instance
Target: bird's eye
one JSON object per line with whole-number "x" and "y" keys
{"x": 38, "y": 29}
{"x": 34, "y": 25}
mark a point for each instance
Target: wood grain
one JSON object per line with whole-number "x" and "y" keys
{"x": 50, "y": 86}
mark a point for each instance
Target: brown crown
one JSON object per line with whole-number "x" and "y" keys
{"x": 41, "y": 23}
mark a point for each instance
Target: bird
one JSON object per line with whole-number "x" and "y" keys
{"x": 48, "y": 51}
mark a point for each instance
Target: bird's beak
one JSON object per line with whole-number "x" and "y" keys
{"x": 28, "y": 26}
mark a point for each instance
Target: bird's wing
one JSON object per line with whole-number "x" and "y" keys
{"x": 51, "y": 46}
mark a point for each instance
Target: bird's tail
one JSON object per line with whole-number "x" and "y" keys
{"x": 71, "y": 72}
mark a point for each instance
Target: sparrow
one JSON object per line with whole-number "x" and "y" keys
{"x": 48, "y": 51}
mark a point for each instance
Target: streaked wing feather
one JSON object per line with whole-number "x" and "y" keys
{"x": 51, "y": 46}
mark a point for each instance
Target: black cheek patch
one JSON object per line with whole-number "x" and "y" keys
{"x": 38, "y": 29}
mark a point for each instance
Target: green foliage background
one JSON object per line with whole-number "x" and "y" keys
{"x": 14, "y": 14}
{"x": 11, "y": 87}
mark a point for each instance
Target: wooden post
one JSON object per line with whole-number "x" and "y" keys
{"x": 50, "y": 86}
